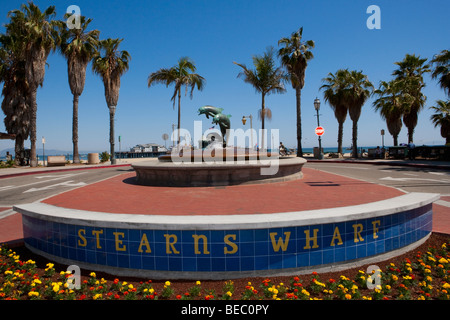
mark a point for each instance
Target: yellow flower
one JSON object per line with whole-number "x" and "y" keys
{"x": 93, "y": 275}
{"x": 229, "y": 293}
{"x": 348, "y": 296}
{"x": 198, "y": 283}
{"x": 33, "y": 294}
{"x": 443, "y": 260}
{"x": 55, "y": 287}
{"x": 97, "y": 296}
{"x": 167, "y": 283}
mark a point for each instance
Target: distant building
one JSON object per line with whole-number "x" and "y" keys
{"x": 149, "y": 147}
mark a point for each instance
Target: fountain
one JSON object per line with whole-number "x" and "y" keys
{"x": 217, "y": 164}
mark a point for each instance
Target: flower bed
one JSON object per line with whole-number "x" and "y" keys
{"x": 422, "y": 274}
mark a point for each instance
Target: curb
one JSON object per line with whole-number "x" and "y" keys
{"x": 61, "y": 170}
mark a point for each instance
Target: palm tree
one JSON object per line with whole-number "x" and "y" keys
{"x": 182, "y": 74}
{"x": 15, "y": 91}
{"x": 441, "y": 118}
{"x": 411, "y": 69}
{"x": 38, "y": 31}
{"x": 110, "y": 64}
{"x": 266, "y": 78}
{"x": 295, "y": 56}
{"x": 334, "y": 94}
{"x": 79, "y": 47}
{"x": 442, "y": 70}
{"x": 391, "y": 104}
{"x": 359, "y": 89}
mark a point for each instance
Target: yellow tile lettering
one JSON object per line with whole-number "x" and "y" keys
{"x": 144, "y": 242}
{"x": 119, "y": 243}
{"x": 233, "y": 245}
{"x": 171, "y": 239}
{"x": 205, "y": 243}
{"x": 279, "y": 243}
{"x": 313, "y": 239}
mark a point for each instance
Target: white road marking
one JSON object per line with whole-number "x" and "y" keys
{"x": 54, "y": 178}
{"x": 411, "y": 179}
{"x": 65, "y": 184}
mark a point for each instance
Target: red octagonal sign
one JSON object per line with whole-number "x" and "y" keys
{"x": 319, "y": 131}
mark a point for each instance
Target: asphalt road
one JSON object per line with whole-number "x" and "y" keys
{"x": 29, "y": 188}
{"x": 408, "y": 179}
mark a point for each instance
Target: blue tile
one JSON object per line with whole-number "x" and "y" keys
{"x": 350, "y": 252}
{"x": 261, "y": 248}
{"x": 261, "y": 234}
{"x": 161, "y": 263}
{"x": 247, "y": 249}
{"x": 148, "y": 263}
{"x": 361, "y": 251}
{"x": 315, "y": 258}
{"x": 328, "y": 256}
{"x": 262, "y": 263}
{"x": 276, "y": 261}
{"x": 217, "y": 264}
{"x": 175, "y": 264}
{"x": 189, "y": 264}
{"x": 247, "y": 263}
{"x": 303, "y": 260}
{"x": 289, "y": 260}
{"x": 232, "y": 264}
{"x": 101, "y": 258}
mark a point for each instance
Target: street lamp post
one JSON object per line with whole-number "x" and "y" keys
{"x": 317, "y": 107}
{"x": 43, "y": 151}
{"x": 244, "y": 120}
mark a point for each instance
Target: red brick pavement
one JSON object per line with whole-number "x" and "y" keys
{"x": 316, "y": 190}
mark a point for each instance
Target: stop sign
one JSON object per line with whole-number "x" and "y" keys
{"x": 319, "y": 131}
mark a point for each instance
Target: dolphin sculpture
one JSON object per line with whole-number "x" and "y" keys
{"x": 209, "y": 111}
{"x": 224, "y": 123}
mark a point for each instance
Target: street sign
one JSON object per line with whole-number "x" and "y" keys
{"x": 319, "y": 131}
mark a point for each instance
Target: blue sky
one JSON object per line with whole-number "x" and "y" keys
{"x": 215, "y": 33}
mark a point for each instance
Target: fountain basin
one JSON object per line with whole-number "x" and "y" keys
{"x": 218, "y": 173}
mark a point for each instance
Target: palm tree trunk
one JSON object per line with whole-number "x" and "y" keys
{"x": 355, "y": 139}
{"x": 340, "y": 136}
{"x": 410, "y": 134}
{"x": 76, "y": 156}
{"x": 111, "y": 133}
{"x": 298, "y": 94}
{"x": 263, "y": 117}
{"x": 179, "y": 115}
{"x": 18, "y": 150}
{"x": 33, "y": 112}
{"x": 395, "y": 140}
